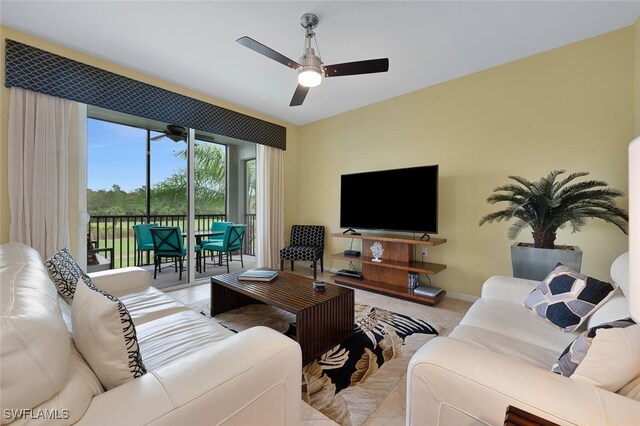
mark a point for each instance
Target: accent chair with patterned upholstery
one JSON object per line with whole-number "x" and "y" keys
{"x": 306, "y": 243}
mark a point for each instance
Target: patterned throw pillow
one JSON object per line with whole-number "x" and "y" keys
{"x": 106, "y": 336}
{"x": 65, "y": 273}
{"x": 566, "y": 297}
{"x": 577, "y": 351}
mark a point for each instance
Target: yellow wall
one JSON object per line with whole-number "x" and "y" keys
{"x": 637, "y": 75}
{"x": 569, "y": 108}
{"x": 5, "y": 32}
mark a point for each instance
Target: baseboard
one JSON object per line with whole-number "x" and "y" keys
{"x": 462, "y": 296}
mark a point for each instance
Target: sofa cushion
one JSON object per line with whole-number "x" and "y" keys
{"x": 518, "y": 322}
{"x": 566, "y": 297}
{"x": 34, "y": 341}
{"x": 506, "y": 345}
{"x": 173, "y": 336}
{"x": 65, "y": 273}
{"x": 106, "y": 336}
{"x": 577, "y": 351}
{"x": 148, "y": 304}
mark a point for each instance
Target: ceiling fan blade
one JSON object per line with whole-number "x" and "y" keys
{"x": 360, "y": 67}
{"x": 299, "y": 95}
{"x": 267, "y": 51}
{"x": 155, "y": 138}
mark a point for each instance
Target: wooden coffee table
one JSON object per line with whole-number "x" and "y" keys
{"x": 323, "y": 318}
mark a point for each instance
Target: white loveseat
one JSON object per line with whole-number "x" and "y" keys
{"x": 501, "y": 354}
{"x": 198, "y": 372}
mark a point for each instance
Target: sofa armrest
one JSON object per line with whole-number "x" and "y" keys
{"x": 253, "y": 377}
{"x": 508, "y": 289}
{"x": 453, "y": 382}
{"x": 122, "y": 280}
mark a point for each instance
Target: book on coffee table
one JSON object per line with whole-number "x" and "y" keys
{"x": 257, "y": 275}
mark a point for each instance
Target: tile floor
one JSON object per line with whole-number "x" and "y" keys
{"x": 446, "y": 314}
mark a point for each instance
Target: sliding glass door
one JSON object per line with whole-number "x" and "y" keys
{"x": 138, "y": 174}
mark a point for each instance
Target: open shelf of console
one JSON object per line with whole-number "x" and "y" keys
{"x": 390, "y": 277}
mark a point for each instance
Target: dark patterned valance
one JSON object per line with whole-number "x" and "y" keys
{"x": 44, "y": 72}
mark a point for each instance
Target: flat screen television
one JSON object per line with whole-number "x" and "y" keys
{"x": 395, "y": 200}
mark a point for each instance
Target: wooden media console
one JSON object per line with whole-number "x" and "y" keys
{"x": 390, "y": 277}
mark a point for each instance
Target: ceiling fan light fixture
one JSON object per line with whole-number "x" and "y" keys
{"x": 310, "y": 72}
{"x": 309, "y": 77}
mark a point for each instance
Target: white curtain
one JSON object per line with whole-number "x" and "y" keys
{"x": 269, "y": 206}
{"x": 38, "y": 170}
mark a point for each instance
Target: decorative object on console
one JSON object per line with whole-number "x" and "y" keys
{"x": 588, "y": 357}
{"x": 547, "y": 205}
{"x": 377, "y": 251}
{"x": 66, "y": 273}
{"x": 413, "y": 280}
{"x": 566, "y": 298}
{"x": 431, "y": 292}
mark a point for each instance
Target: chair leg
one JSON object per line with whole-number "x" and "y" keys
{"x": 227, "y": 256}
{"x": 321, "y": 263}
{"x": 292, "y": 266}
{"x": 315, "y": 270}
{"x": 180, "y": 276}
{"x": 155, "y": 267}
{"x": 241, "y": 261}
{"x": 281, "y": 264}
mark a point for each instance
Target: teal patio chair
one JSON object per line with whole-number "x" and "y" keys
{"x": 217, "y": 227}
{"x": 143, "y": 240}
{"x": 232, "y": 241}
{"x": 167, "y": 243}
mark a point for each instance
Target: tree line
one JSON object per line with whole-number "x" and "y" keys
{"x": 170, "y": 195}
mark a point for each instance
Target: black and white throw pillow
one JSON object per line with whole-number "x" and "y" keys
{"x": 566, "y": 297}
{"x": 66, "y": 273}
{"x": 105, "y": 335}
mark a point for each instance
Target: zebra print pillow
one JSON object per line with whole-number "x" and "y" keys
{"x": 106, "y": 336}
{"x": 66, "y": 273}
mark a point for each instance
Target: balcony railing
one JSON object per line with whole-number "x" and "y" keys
{"x": 116, "y": 231}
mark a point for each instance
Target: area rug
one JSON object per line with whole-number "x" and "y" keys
{"x": 350, "y": 381}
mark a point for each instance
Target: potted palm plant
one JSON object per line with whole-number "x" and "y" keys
{"x": 545, "y": 206}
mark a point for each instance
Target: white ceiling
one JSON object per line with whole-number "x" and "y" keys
{"x": 193, "y": 43}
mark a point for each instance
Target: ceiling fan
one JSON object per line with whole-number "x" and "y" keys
{"x": 310, "y": 68}
{"x": 174, "y": 132}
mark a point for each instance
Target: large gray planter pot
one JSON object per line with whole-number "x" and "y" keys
{"x": 536, "y": 263}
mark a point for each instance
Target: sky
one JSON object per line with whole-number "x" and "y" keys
{"x": 116, "y": 155}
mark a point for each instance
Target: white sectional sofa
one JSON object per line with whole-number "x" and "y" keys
{"x": 198, "y": 372}
{"x": 501, "y": 354}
